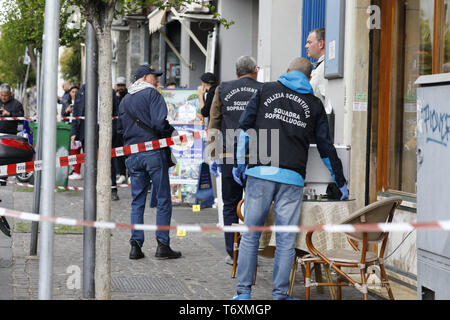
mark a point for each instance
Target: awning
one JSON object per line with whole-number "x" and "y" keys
{"x": 156, "y": 20}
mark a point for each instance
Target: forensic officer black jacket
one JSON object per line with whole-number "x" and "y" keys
{"x": 234, "y": 96}
{"x": 298, "y": 117}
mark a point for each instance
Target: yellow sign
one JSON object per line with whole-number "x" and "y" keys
{"x": 181, "y": 233}
{"x": 196, "y": 208}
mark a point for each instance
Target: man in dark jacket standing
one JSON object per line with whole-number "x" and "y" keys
{"x": 77, "y": 129}
{"x": 230, "y": 101}
{"x": 145, "y": 103}
{"x": 289, "y": 110}
{"x": 9, "y": 107}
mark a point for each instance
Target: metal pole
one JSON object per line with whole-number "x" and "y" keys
{"x": 37, "y": 174}
{"x": 47, "y": 205}
{"x": 90, "y": 165}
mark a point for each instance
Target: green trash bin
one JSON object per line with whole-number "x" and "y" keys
{"x": 62, "y": 148}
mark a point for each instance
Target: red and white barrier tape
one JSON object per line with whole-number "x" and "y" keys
{"x": 60, "y": 187}
{"x": 17, "y": 118}
{"x": 11, "y": 169}
{"x": 339, "y": 228}
{"x": 81, "y": 118}
{"x": 35, "y": 118}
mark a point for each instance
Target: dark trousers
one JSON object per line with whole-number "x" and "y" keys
{"x": 113, "y": 171}
{"x": 231, "y": 195}
{"x": 119, "y": 162}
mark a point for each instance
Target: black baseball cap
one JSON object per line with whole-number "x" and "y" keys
{"x": 208, "y": 77}
{"x": 146, "y": 69}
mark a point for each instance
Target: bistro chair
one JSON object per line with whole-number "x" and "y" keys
{"x": 378, "y": 212}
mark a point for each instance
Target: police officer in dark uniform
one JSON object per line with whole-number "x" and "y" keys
{"x": 230, "y": 101}
{"x": 289, "y": 108}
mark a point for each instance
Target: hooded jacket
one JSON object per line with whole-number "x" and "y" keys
{"x": 289, "y": 106}
{"x": 145, "y": 103}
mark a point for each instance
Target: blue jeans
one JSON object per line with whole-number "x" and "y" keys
{"x": 287, "y": 199}
{"x": 143, "y": 167}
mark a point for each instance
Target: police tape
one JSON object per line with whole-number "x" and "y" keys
{"x": 329, "y": 228}
{"x": 21, "y": 184}
{"x": 15, "y": 168}
{"x": 35, "y": 118}
{"x": 18, "y": 118}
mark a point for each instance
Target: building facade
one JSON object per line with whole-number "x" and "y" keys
{"x": 384, "y": 46}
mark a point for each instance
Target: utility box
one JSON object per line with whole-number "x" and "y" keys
{"x": 433, "y": 185}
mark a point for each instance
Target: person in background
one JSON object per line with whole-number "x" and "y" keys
{"x": 121, "y": 88}
{"x": 75, "y": 146}
{"x": 206, "y": 92}
{"x": 66, "y": 96}
{"x": 315, "y": 46}
{"x": 77, "y": 129}
{"x": 230, "y": 101}
{"x": 67, "y": 105}
{"x": 119, "y": 162}
{"x": 9, "y": 107}
{"x": 171, "y": 84}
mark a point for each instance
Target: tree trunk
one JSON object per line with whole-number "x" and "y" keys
{"x": 101, "y": 21}
{"x": 32, "y": 58}
{"x": 103, "y": 257}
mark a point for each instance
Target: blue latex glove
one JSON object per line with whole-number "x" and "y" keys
{"x": 239, "y": 175}
{"x": 344, "y": 191}
{"x": 214, "y": 167}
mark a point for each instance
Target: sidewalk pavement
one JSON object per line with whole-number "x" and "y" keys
{"x": 201, "y": 273}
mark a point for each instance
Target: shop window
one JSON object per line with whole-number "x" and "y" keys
{"x": 446, "y": 37}
{"x": 416, "y": 39}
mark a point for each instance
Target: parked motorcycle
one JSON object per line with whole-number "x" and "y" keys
{"x": 14, "y": 149}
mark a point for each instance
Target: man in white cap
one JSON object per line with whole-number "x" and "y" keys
{"x": 121, "y": 88}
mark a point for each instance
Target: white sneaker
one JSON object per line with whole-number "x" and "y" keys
{"x": 229, "y": 260}
{"x": 129, "y": 180}
{"x": 121, "y": 180}
{"x": 75, "y": 176}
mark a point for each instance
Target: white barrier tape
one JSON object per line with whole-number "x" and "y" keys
{"x": 17, "y": 118}
{"x": 35, "y": 118}
{"x": 60, "y": 187}
{"x": 12, "y": 169}
{"x": 395, "y": 227}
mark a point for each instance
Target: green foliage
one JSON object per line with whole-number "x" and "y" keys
{"x": 25, "y": 20}
{"x": 12, "y": 69}
{"x": 70, "y": 62}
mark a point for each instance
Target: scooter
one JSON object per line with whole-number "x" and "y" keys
{"x": 26, "y": 177}
{"x": 14, "y": 149}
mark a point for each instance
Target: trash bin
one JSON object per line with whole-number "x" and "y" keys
{"x": 62, "y": 148}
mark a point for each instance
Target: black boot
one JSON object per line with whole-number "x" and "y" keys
{"x": 164, "y": 251}
{"x": 136, "y": 252}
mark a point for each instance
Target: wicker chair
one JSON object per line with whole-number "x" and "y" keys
{"x": 379, "y": 212}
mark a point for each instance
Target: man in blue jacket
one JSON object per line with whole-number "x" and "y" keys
{"x": 143, "y": 118}
{"x": 290, "y": 108}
